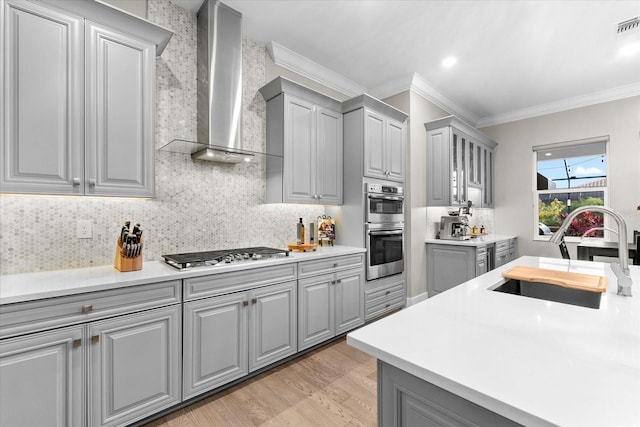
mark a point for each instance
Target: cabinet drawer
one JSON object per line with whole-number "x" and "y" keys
{"x": 376, "y": 296}
{"x": 38, "y": 315}
{"x": 236, "y": 281}
{"x": 502, "y": 245}
{"x": 329, "y": 265}
{"x": 385, "y": 307}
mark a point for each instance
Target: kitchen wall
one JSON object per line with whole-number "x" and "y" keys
{"x": 620, "y": 120}
{"x": 199, "y": 205}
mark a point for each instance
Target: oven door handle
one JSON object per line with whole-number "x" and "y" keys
{"x": 371, "y": 196}
{"x": 385, "y": 233}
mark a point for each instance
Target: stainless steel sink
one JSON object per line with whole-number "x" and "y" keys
{"x": 550, "y": 292}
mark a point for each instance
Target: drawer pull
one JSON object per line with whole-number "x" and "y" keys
{"x": 335, "y": 265}
{"x": 95, "y": 339}
{"x": 387, "y": 293}
{"x": 87, "y": 308}
{"x": 387, "y": 305}
{"x": 76, "y": 343}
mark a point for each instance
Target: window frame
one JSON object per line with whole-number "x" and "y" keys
{"x": 536, "y": 193}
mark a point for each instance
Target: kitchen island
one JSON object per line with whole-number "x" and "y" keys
{"x": 511, "y": 359}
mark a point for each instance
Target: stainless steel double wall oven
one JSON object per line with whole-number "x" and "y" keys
{"x": 384, "y": 230}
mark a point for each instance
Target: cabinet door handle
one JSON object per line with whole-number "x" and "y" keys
{"x": 333, "y": 282}
{"x": 95, "y": 339}
{"x": 87, "y": 308}
{"x": 254, "y": 300}
{"x": 387, "y": 293}
{"x": 92, "y": 182}
{"x": 387, "y": 305}
{"x": 76, "y": 181}
{"x": 76, "y": 343}
{"x": 245, "y": 303}
{"x": 335, "y": 265}
{"x": 339, "y": 281}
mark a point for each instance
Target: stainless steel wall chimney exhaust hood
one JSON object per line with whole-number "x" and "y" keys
{"x": 219, "y": 83}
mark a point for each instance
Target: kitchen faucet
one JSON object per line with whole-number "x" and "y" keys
{"x": 621, "y": 270}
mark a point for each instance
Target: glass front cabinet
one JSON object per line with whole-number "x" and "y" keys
{"x": 460, "y": 161}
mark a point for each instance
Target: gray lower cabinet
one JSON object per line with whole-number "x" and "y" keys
{"x": 98, "y": 359}
{"x": 384, "y": 296}
{"x": 448, "y": 266}
{"x": 43, "y": 370}
{"x": 331, "y": 303}
{"x": 133, "y": 366}
{"x": 78, "y": 103}
{"x": 228, "y": 336}
{"x": 408, "y": 401}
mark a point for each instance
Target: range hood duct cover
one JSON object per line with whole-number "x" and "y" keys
{"x": 219, "y": 83}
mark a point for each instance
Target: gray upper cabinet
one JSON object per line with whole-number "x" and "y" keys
{"x": 459, "y": 164}
{"x": 43, "y": 68}
{"x": 304, "y": 143}
{"x": 79, "y": 103}
{"x": 378, "y": 131}
{"x": 120, "y": 87}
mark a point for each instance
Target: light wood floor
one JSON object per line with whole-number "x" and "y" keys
{"x": 332, "y": 386}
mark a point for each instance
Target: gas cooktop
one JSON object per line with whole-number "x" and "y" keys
{"x": 227, "y": 256}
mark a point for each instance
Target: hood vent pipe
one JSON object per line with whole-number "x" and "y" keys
{"x": 219, "y": 84}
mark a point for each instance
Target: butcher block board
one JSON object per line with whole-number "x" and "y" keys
{"x": 584, "y": 282}
{"x": 302, "y": 247}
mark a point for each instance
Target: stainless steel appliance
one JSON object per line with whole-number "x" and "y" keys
{"x": 384, "y": 203}
{"x": 385, "y": 253}
{"x": 453, "y": 227}
{"x": 226, "y": 256}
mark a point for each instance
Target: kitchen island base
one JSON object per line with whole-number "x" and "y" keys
{"x": 408, "y": 401}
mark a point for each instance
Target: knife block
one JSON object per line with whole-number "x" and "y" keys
{"x": 122, "y": 263}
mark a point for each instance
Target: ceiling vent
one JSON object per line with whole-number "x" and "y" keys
{"x": 629, "y": 25}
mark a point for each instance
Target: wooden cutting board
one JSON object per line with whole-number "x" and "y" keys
{"x": 585, "y": 282}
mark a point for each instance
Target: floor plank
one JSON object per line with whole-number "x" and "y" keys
{"x": 334, "y": 385}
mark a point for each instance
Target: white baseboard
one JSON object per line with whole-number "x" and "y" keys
{"x": 414, "y": 300}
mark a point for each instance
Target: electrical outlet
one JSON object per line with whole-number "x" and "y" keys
{"x": 83, "y": 229}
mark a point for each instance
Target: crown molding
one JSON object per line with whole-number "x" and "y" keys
{"x": 417, "y": 84}
{"x": 297, "y": 63}
{"x": 594, "y": 98}
{"x": 420, "y": 86}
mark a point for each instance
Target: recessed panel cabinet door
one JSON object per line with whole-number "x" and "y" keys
{"x": 41, "y": 379}
{"x": 273, "y": 321}
{"x": 41, "y": 149}
{"x": 395, "y": 150}
{"x": 120, "y": 88}
{"x": 134, "y": 366}
{"x": 329, "y": 155}
{"x": 215, "y": 342}
{"x": 299, "y": 151}
{"x": 349, "y": 300}
{"x": 374, "y": 145}
{"x": 316, "y": 320}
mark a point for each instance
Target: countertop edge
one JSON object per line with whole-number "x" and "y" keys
{"x": 25, "y": 287}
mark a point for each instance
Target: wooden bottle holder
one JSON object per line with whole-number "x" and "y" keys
{"x": 122, "y": 263}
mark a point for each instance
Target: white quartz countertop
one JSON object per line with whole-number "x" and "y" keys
{"x": 475, "y": 241}
{"x": 48, "y": 284}
{"x": 536, "y": 362}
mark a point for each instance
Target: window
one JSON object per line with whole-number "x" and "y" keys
{"x": 570, "y": 175}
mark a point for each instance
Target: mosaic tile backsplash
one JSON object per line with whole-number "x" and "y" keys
{"x": 198, "y": 205}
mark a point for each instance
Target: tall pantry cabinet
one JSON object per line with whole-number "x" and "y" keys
{"x": 78, "y": 86}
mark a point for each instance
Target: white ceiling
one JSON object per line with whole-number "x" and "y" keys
{"x": 516, "y": 59}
